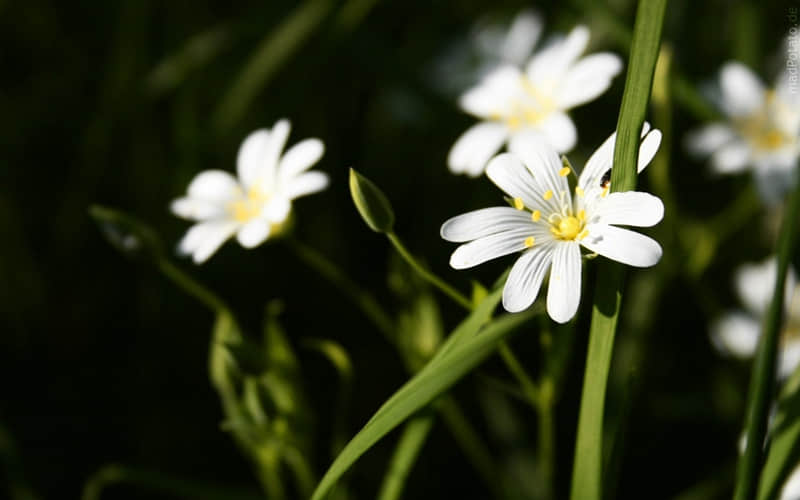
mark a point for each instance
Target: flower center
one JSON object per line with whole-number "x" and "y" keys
{"x": 249, "y": 206}
{"x": 531, "y": 108}
{"x": 763, "y": 129}
{"x": 568, "y": 228}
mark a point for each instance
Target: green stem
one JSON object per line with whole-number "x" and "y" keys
{"x": 527, "y": 385}
{"x": 270, "y": 477}
{"x": 762, "y": 382}
{"x": 588, "y": 464}
{"x": 547, "y": 431}
{"x": 464, "y": 434}
{"x": 405, "y": 454}
{"x": 470, "y": 443}
{"x": 362, "y": 299}
{"x": 191, "y": 286}
{"x": 434, "y": 280}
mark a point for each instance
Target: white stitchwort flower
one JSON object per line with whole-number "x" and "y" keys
{"x": 255, "y": 206}
{"x": 549, "y": 226}
{"x": 736, "y": 333}
{"x": 511, "y": 102}
{"x": 761, "y": 131}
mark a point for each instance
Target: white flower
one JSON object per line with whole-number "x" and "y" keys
{"x": 762, "y": 131}
{"x": 791, "y": 488}
{"x": 549, "y": 226}
{"x": 512, "y": 102}
{"x": 736, "y": 333}
{"x": 254, "y": 206}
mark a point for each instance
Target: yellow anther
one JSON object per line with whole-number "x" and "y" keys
{"x": 605, "y": 192}
{"x": 583, "y": 234}
{"x": 536, "y": 215}
{"x": 579, "y": 191}
{"x": 582, "y": 215}
{"x": 514, "y": 122}
{"x": 548, "y": 194}
{"x": 564, "y": 172}
{"x": 529, "y": 241}
{"x": 518, "y": 204}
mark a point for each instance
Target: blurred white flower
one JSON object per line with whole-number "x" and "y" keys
{"x": 549, "y": 226}
{"x": 736, "y": 333}
{"x": 761, "y": 131}
{"x": 791, "y": 488}
{"x": 255, "y": 206}
{"x": 511, "y": 102}
{"x": 488, "y": 45}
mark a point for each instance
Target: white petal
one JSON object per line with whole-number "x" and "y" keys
{"x": 474, "y": 148}
{"x": 708, "y": 139}
{"x": 730, "y": 158}
{"x": 300, "y": 158}
{"x": 603, "y": 157}
{"x": 479, "y": 223}
{"x": 543, "y": 163}
{"x": 789, "y": 359}
{"x": 265, "y": 174}
{"x": 564, "y": 290}
{"x": 522, "y": 36}
{"x": 215, "y": 186}
{"x": 587, "y": 79}
{"x": 307, "y": 183}
{"x": 277, "y": 210}
{"x": 736, "y": 334}
{"x": 525, "y": 279}
{"x": 622, "y": 245}
{"x": 488, "y": 248}
{"x": 203, "y": 239}
{"x": 773, "y": 181}
{"x": 192, "y": 208}
{"x": 509, "y": 174}
{"x": 791, "y": 488}
{"x": 630, "y": 208}
{"x": 250, "y": 159}
{"x": 495, "y": 94}
{"x": 549, "y": 64}
{"x": 253, "y": 233}
{"x": 755, "y": 284}
{"x": 648, "y": 149}
{"x": 559, "y": 131}
{"x": 742, "y": 90}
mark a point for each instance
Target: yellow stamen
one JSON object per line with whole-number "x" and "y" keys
{"x": 605, "y": 192}
{"x": 583, "y": 234}
{"x": 518, "y": 204}
{"x": 514, "y": 122}
{"x": 579, "y": 191}
{"x": 567, "y": 228}
{"x": 548, "y": 194}
{"x": 536, "y": 215}
{"x": 564, "y": 172}
{"x": 529, "y": 241}
{"x": 582, "y": 215}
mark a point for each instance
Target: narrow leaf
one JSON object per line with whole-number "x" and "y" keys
{"x": 405, "y": 454}
{"x": 762, "y": 381}
{"x": 438, "y": 376}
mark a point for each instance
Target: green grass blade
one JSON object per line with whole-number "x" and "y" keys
{"x": 784, "y": 450}
{"x": 587, "y": 471}
{"x": 276, "y": 49}
{"x": 763, "y": 378}
{"x": 405, "y": 454}
{"x": 439, "y": 375}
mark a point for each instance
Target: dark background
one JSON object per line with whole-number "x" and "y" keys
{"x": 102, "y": 360}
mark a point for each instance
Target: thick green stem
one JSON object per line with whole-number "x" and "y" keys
{"x": 547, "y": 433}
{"x": 762, "y": 383}
{"x": 588, "y": 465}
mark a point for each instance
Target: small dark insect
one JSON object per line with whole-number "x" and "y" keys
{"x": 606, "y": 179}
